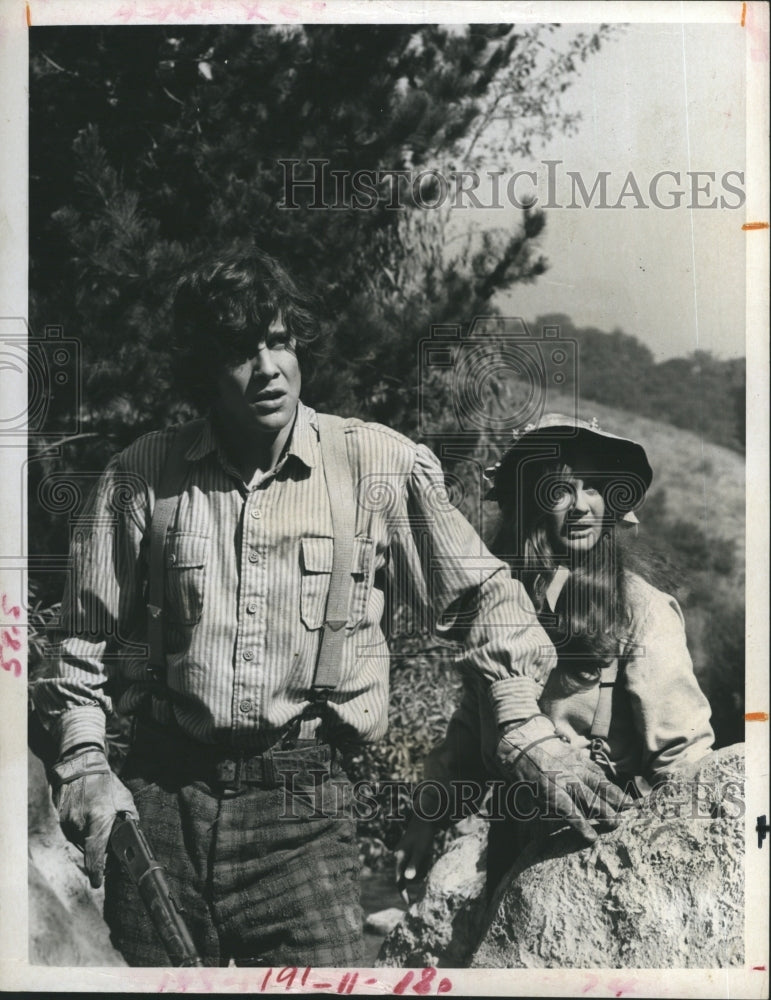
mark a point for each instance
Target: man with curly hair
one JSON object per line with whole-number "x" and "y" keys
{"x": 237, "y": 726}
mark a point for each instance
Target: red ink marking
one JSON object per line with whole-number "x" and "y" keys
{"x": 423, "y": 985}
{"x": 15, "y": 610}
{"x": 304, "y": 977}
{"x": 758, "y": 968}
{"x": 13, "y": 665}
{"x": 322, "y": 986}
{"x": 252, "y": 11}
{"x": 9, "y": 640}
{"x": 444, "y": 985}
{"x": 758, "y": 33}
{"x": 287, "y": 976}
{"x": 756, "y": 717}
{"x": 160, "y": 12}
{"x": 266, "y": 980}
{"x": 347, "y": 983}
{"x": 370, "y": 982}
{"x": 403, "y": 983}
{"x": 621, "y": 986}
{"x": 748, "y": 226}
{"x": 29, "y": 16}
{"x": 744, "y": 13}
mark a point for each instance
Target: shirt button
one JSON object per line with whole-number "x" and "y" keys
{"x": 251, "y": 608}
{"x": 248, "y": 654}
{"x": 245, "y": 706}
{"x": 253, "y": 557}
{"x": 256, "y": 513}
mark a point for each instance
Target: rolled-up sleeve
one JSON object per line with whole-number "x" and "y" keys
{"x": 471, "y": 595}
{"x": 671, "y": 713}
{"x": 102, "y": 599}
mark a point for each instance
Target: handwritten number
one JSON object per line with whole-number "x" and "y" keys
{"x": 15, "y": 610}
{"x": 401, "y": 986}
{"x": 423, "y": 985}
{"x": 13, "y": 665}
{"x": 287, "y": 976}
{"x": 9, "y": 640}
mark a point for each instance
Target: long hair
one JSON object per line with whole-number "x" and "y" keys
{"x": 592, "y": 615}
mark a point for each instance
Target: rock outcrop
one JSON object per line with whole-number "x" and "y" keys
{"x": 441, "y": 928}
{"x": 66, "y": 927}
{"x": 663, "y": 890}
{"x": 382, "y": 922}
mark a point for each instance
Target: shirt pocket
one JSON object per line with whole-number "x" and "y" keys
{"x": 316, "y": 567}
{"x": 186, "y": 554}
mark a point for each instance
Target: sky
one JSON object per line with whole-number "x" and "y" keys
{"x": 656, "y": 97}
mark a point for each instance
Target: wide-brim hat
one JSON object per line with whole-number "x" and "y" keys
{"x": 563, "y": 438}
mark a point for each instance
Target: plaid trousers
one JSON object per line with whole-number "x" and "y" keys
{"x": 262, "y": 880}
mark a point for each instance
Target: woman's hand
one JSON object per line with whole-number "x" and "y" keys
{"x": 413, "y": 854}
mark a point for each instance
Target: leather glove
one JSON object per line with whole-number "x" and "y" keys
{"x": 566, "y": 784}
{"x": 88, "y": 797}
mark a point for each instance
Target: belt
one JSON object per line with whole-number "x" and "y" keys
{"x": 173, "y": 755}
{"x": 302, "y": 766}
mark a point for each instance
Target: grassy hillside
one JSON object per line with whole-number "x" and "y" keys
{"x": 700, "y": 480}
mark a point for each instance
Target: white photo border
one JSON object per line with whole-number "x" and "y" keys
{"x": 15, "y": 16}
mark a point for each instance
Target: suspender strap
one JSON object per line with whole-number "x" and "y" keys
{"x": 339, "y": 482}
{"x": 337, "y": 473}
{"x": 166, "y": 500}
{"x": 602, "y": 714}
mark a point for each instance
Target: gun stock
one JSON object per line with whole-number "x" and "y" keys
{"x": 129, "y": 845}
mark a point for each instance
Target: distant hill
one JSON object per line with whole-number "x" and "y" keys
{"x": 700, "y": 481}
{"x": 699, "y": 393}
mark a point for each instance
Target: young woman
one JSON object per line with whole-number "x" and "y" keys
{"x": 623, "y": 693}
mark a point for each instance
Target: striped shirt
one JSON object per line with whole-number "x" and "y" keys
{"x": 247, "y": 571}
